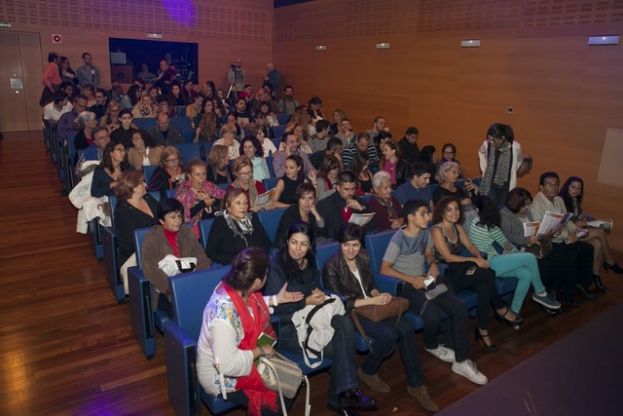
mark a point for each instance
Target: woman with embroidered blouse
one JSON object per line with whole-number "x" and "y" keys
{"x": 236, "y": 229}
{"x": 200, "y": 197}
{"x": 233, "y": 320}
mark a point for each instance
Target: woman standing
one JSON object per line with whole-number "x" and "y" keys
{"x": 51, "y": 79}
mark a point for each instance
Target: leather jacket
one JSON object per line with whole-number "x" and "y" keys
{"x": 338, "y": 278}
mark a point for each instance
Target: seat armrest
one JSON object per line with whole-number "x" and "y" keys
{"x": 180, "y": 359}
{"x": 387, "y": 284}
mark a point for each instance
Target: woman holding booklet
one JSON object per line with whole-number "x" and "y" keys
{"x": 505, "y": 259}
{"x": 572, "y": 193}
{"x": 242, "y": 168}
{"x": 234, "y": 319}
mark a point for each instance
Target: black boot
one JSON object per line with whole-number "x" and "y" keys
{"x": 614, "y": 267}
{"x": 584, "y": 291}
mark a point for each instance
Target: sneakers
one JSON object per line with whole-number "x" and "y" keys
{"x": 374, "y": 382}
{"x": 546, "y": 300}
{"x": 468, "y": 370}
{"x": 421, "y": 395}
{"x": 443, "y": 353}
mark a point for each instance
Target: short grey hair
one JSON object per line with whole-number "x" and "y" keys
{"x": 380, "y": 177}
{"x": 442, "y": 173}
{"x": 85, "y": 117}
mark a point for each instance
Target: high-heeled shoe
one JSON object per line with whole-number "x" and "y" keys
{"x": 481, "y": 338}
{"x": 598, "y": 283}
{"x": 504, "y": 320}
{"x": 614, "y": 267}
{"x": 584, "y": 291}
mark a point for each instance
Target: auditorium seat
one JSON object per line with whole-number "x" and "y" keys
{"x": 283, "y": 118}
{"x": 278, "y": 133}
{"x": 270, "y": 221}
{"x": 182, "y": 124}
{"x": 188, "y": 151}
{"x": 144, "y": 123}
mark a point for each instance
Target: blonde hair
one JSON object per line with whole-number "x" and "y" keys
{"x": 241, "y": 162}
{"x": 168, "y": 151}
{"x": 217, "y": 153}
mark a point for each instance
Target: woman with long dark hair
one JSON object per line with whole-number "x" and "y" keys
{"x": 295, "y": 265}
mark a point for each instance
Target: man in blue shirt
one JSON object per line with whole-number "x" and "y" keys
{"x": 417, "y": 187}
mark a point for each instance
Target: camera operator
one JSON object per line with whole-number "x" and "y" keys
{"x": 236, "y": 76}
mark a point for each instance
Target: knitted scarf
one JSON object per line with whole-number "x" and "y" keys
{"x": 498, "y": 169}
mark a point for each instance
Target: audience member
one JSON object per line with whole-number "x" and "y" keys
{"x": 268, "y": 147}
{"x": 169, "y": 173}
{"x": 135, "y": 209}
{"x": 132, "y": 98}
{"x": 303, "y": 210}
{"x": 362, "y": 144}
{"x": 87, "y": 122}
{"x": 207, "y": 123}
{"x": 474, "y": 273}
{"x": 347, "y": 273}
{"x": 100, "y": 106}
{"x": 378, "y": 125}
{"x": 447, "y": 176}
{"x": 408, "y": 253}
{"x": 163, "y": 133}
{"x": 144, "y": 151}
{"x": 242, "y": 168}
{"x": 326, "y": 178}
{"x": 88, "y": 90}
{"x": 287, "y": 104}
{"x": 51, "y": 79}
{"x": 144, "y": 108}
{"x": 333, "y": 148}
{"x": 219, "y": 170}
{"x": 337, "y": 208}
{"x": 338, "y": 116}
{"x": 236, "y": 229}
{"x": 295, "y": 265}
{"x": 252, "y": 149}
{"x": 427, "y": 155}
{"x": 67, "y": 74}
{"x": 167, "y": 74}
{"x": 68, "y": 124}
{"x": 290, "y": 147}
{"x": 53, "y": 111}
{"x": 417, "y": 187}
{"x": 123, "y": 134}
{"x": 392, "y": 163}
{"x": 572, "y": 193}
{"x": 110, "y": 119}
{"x": 236, "y": 76}
{"x": 386, "y": 208}
{"x": 284, "y": 193}
{"x": 229, "y": 335}
{"x": 146, "y": 75}
{"x": 408, "y": 145}
{"x": 107, "y": 173}
{"x": 229, "y": 141}
{"x": 361, "y": 169}
{"x": 273, "y": 77}
{"x": 505, "y": 259}
{"x": 345, "y": 133}
{"x": 565, "y": 241}
{"x": 88, "y": 73}
{"x": 318, "y": 142}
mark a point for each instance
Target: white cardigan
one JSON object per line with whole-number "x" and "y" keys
{"x": 483, "y": 153}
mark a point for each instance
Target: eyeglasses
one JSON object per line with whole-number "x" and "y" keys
{"x": 172, "y": 160}
{"x": 119, "y": 149}
{"x": 245, "y": 173}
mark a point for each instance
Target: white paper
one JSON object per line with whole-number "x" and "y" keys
{"x": 263, "y": 199}
{"x": 530, "y": 228}
{"x": 600, "y": 223}
{"x": 361, "y": 219}
{"x": 552, "y": 222}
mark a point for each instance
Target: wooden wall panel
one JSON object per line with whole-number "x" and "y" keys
{"x": 564, "y": 94}
{"x": 224, "y": 30}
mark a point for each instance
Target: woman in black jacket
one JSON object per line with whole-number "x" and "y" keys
{"x": 304, "y": 210}
{"x": 135, "y": 209}
{"x": 235, "y": 230}
{"x": 295, "y": 265}
{"x": 347, "y": 273}
{"x": 106, "y": 174}
{"x": 392, "y": 163}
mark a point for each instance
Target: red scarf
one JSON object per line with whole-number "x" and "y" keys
{"x": 172, "y": 240}
{"x": 253, "y": 385}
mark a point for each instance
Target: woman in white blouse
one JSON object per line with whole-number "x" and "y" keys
{"x": 233, "y": 320}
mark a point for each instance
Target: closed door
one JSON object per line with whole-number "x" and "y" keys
{"x": 20, "y": 81}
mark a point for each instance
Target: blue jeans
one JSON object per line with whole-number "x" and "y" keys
{"x": 525, "y": 268}
{"x": 384, "y": 336}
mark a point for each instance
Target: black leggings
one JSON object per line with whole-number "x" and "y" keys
{"x": 479, "y": 280}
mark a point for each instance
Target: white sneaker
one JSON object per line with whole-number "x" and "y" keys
{"x": 468, "y": 370}
{"x": 443, "y": 353}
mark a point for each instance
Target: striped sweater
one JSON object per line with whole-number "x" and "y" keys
{"x": 485, "y": 239}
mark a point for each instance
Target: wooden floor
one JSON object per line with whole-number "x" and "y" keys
{"x": 66, "y": 346}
